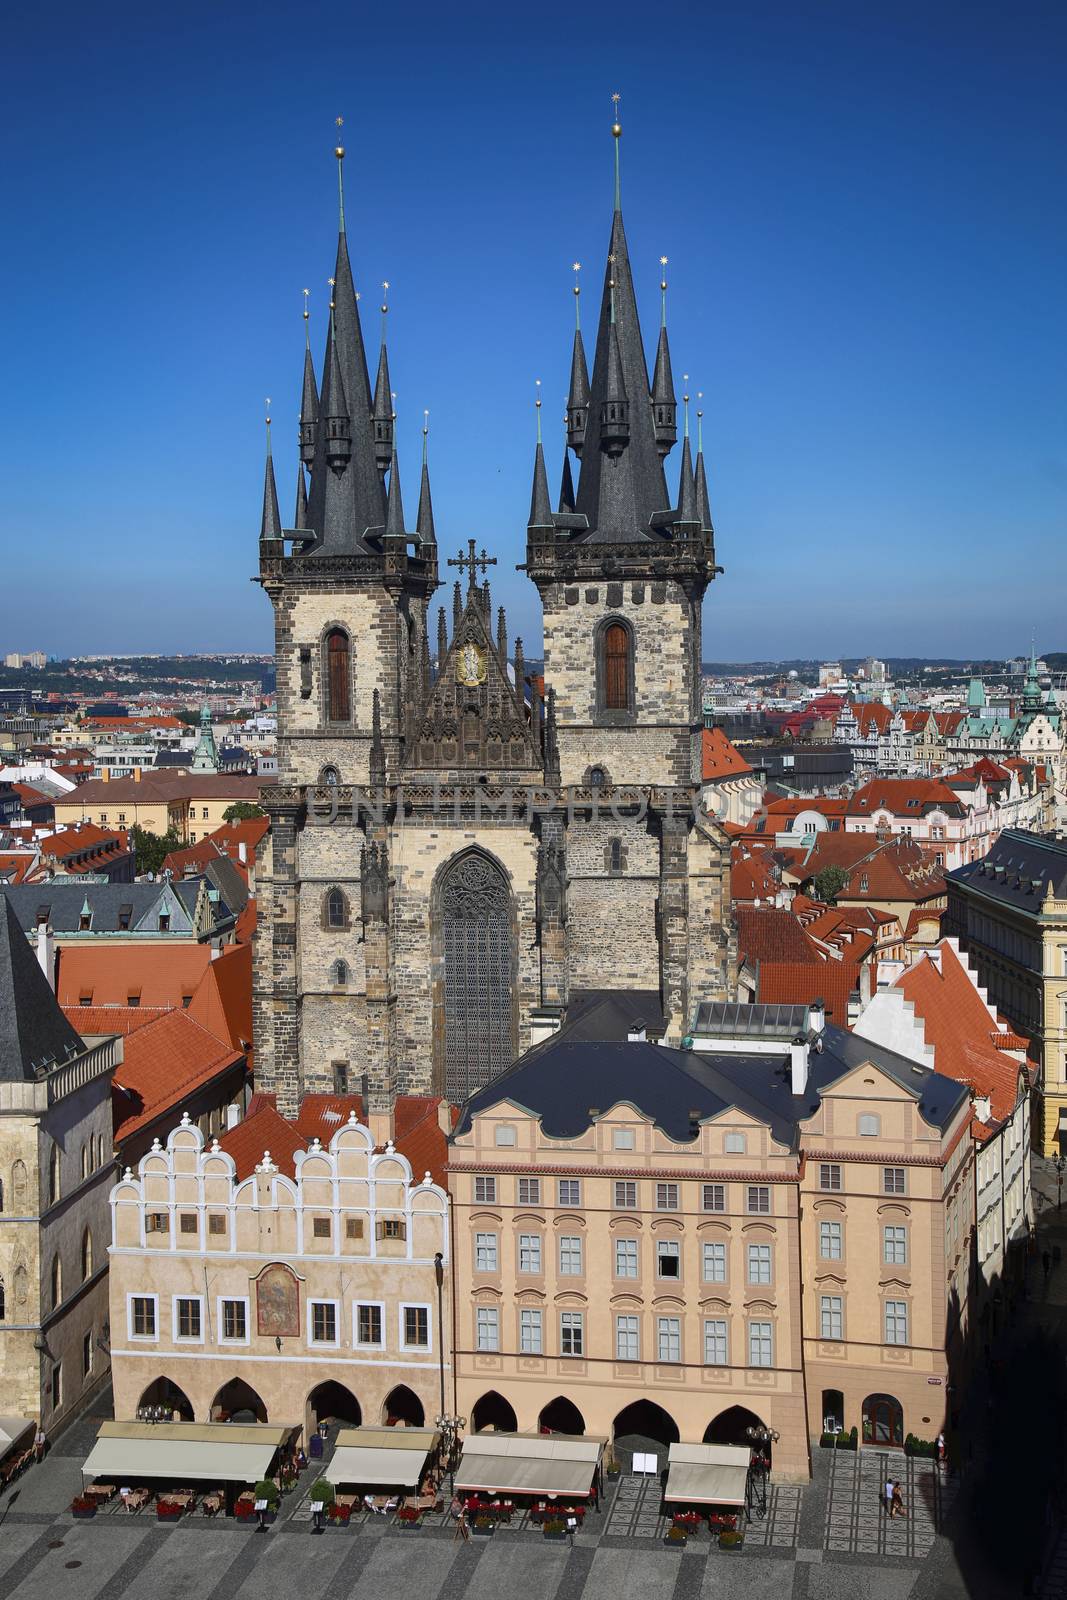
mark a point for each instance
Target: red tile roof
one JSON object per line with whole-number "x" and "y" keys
{"x": 418, "y": 1134}
{"x": 163, "y": 974}
{"x": 98, "y": 1021}
{"x": 754, "y": 876}
{"x": 768, "y": 933}
{"x": 222, "y": 1000}
{"x": 798, "y": 983}
{"x": 905, "y": 797}
{"x": 163, "y": 1063}
{"x": 262, "y": 1128}
{"x": 14, "y": 865}
{"x": 720, "y": 758}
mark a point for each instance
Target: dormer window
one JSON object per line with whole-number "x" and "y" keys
{"x": 164, "y": 922}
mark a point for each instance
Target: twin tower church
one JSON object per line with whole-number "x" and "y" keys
{"x": 461, "y": 850}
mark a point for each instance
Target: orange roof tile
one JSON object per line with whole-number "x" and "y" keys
{"x": 163, "y": 1063}
{"x": 720, "y": 758}
{"x": 163, "y": 974}
{"x": 97, "y": 1021}
{"x": 15, "y": 865}
{"x": 798, "y": 983}
{"x": 418, "y": 1134}
{"x": 222, "y": 1000}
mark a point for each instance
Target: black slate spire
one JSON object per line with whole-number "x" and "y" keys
{"x": 301, "y": 519}
{"x": 309, "y": 410}
{"x": 34, "y": 1033}
{"x": 394, "y": 515}
{"x": 271, "y": 525}
{"x": 578, "y": 398}
{"x": 688, "y": 505}
{"x": 338, "y": 424}
{"x": 702, "y": 483}
{"x": 664, "y": 405}
{"x": 540, "y": 502}
{"x": 621, "y": 487}
{"x": 566, "y": 486}
{"x": 383, "y": 404}
{"x": 424, "y": 527}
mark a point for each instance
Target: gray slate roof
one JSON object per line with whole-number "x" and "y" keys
{"x": 109, "y": 902}
{"x": 34, "y": 1033}
{"x": 560, "y": 1081}
{"x": 1018, "y": 870}
{"x": 607, "y": 1014}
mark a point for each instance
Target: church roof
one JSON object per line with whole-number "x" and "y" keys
{"x": 34, "y": 1033}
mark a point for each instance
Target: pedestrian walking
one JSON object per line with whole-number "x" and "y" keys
{"x": 888, "y": 1495}
{"x": 941, "y": 1449}
{"x": 40, "y": 1444}
{"x": 897, "y": 1502}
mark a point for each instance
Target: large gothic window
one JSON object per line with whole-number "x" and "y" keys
{"x": 616, "y": 674}
{"x": 477, "y": 943}
{"x": 338, "y": 705}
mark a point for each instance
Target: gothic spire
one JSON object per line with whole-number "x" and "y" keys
{"x": 566, "y": 486}
{"x": 457, "y": 605}
{"x": 309, "y": 410}
{"x": 394, "y": 516}
{"x": 424, "y": 525}
{"x": 301, "y": 519}
{"x": 442, "y": 638}
{"x": 383, "y": 401}
{"x": 335, "y": 409}
{"x": 621, "y": 487}
{"x": 502, "y": 635}
{"x": 540, "y": 501}
{"x": 664, "y": 405}
{"x": 271, "y": 524}
{"x": 688, "y": 504}
{"x": 702, "y": 481}
{"x": 578, "y": 397}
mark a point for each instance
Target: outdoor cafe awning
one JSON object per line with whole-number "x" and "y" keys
{"x": 184, "y": 1452}
{"x": 529, "y": 1463}
{"x": 12, "y": 1430}
{"x": 708, "y": 1474}
{"x": 382, "y": 1457}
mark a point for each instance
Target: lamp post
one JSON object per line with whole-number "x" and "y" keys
{"x": 450, "y": 1427}
{"x": 761, "y": 1438}
{"x": 1061, "y": 1163}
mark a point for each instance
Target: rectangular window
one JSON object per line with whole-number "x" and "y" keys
{"x": 188, "y": 1318}
{"x": 572, "y": 1333}
{"x": 340, "y": 1077}
{"x": 154, "y": 1222}
{"x": 416, "y": 1327}
{"x": 627, "y": 1339}
{"x": 893, "y": 1180}
{"x": 485, "y": 1191}
{"x": 759, "y": 1198}
{"x": 505, "y": 1134}
{"x": 321, "y": 1227}
{"x": 485, "y": 1252}
{"x": 896, "y": 1322}
{"x": 714, "y": 1343}
{"x": 830, "y": 1241}
{"x": 57, "y": 1386}
{"x": 391, "y": 1228}
{"x": 626, "y": 1258}
{"x": 714, "y": 1197}
{"x": 216, "y": 1222}
{"x": 529, "y": 1191}
{"x": 666, "y": 1197}
{"x": 624, "y": 1139}
{"x": 530, "y": 1252}
{"x": 714, "y": 1261}
{"x": 760, "y": 1345}
{"x": 570, "y": 1192}
{"x": 759, "y": 1263}
{"x": 668, "y": 1258}
{"x": 831, "y": 1317}
{"x": 87, "y": 1354}
{"x": 895, "y": 1246}
{"x": 353, "y": 1227}
{"x": 235, "y": 1320}
{"x": 734, "y": 1144}
{"x": 143, "y": 1316}
{"x": 531, "y": 1335}
{"x": 669, "y": 1338}
{"x": 369, "y": 1325}
{"x": 323, "y": 1322}
{"x": 187, "y": 1222}
{"x": 570, "y": 1256}
{"x": 487, "y": 1325}
{"x": 829, "y": 1175}
{"x": 626, "y": 1196}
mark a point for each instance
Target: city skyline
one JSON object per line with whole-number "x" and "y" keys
{"x": 863, "y": 288}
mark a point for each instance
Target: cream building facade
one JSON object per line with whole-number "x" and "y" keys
{"x": 292, "y": 1294}
{"x": 644, "y": 1246}
{"x": 55, "y": 1172}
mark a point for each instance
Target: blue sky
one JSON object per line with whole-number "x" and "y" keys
{"x": 863, "y": 210}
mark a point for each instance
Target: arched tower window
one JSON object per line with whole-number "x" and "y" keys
{"x": 57, "y": 1281}
{"x": 54, "y": 1177}
{"x": 338, "y": 700}
{"x": 329, "y": 777}
{"x": 87, "y": 1255}
{"x": 615, "y": 669}
{"x": 335, "y": 909}
{"x": 475, "y": 942}
{"x": 339, "y": 972}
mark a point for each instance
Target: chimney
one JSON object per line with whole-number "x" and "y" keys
{"x": 46, "y": 953}
{"x": 982, "y": 1108}
{"x": 233, "y": 1116}
{"x": 637, "y": 1033}
{"x": 798, "y": 1064}
{"x": 816, "y": 1016}
{"x": 136, "y": 774}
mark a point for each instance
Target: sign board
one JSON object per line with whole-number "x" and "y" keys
{"x": 645, "y": 1462}
{"x": 262, "y": 1505}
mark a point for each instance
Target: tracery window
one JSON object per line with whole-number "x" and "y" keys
{"x": 335, "y": 909}
{"x": 477, "y": 941}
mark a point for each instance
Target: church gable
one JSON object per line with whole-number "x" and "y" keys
{"x": 472, "y": 719}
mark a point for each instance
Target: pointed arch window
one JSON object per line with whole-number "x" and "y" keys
{"x": 335, "y": 909}
{"x": 87, "y": 1255}
{"x": 57, "y": 1282}
{"x": 338, "y": 663}
{"x": 339, "y": 972}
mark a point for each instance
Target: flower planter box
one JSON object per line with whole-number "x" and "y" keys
{"x": 406, "y": 1525}
{"x": 734, "y": 1547}
{"x": 484, "y": 1532}
{"x": 553, "y": 1537}
{"x": 83, "y": 1514}
{"x": 168, "y": 1516}
{"x": 675, "y": 1544}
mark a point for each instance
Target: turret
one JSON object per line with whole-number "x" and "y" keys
{"x": 270, "y": 527}
{"x": 335, "y": 410}
{"x": 578, "y": 397}
{"x": 383, "y": 402}
{"x": 615, "y": 406}
{"x": 300, "y": 519}
{"x": 664, "y": 406}
{"x": 309, "y": 409}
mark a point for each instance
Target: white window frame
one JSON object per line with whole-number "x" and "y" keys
{"x": 623, "y": 1202}
{"x": 489, "y": 1190}
{"x": 901, "y": 1311}
{"x": 186, "y": 1338}
{"x": 885, "y": 1180}
{"x": 624, "y": 1334}
{"x": 220, "y": 1321}
{"x": 831, "y": 1310}
{"x": 505, "y": 1135}
{"x": 717, "y": 1323}
{"x": 415, "y": 1305}
{"x": 894, "y": 1260}
{"x": 568, "y": 1204}
{"x": 575, "y": 1324}
{"x": 366, "y": 1344}
{"x": 669, "y": 1330}
{"x": 142, "y": 1338}
{"x": 836, "y": 1234}
{"x": 830, "y": 1177}
{"x": 755, "y": 1256}
{"x": 667, "y": 1197}
{"x": 712, "y": 1249}
{"x": 623, "y": 1139}
{"x": 869, "y": 1125}
{"x": 323, "y": 1344}
{"x": 487, "y": 1244}
{"x": 629, "y": 1277}
{"x": 721, "y": 1188}
{"x": 734, "y": 1144}
{"x": 532, "y": 1197}
{"x": 492, "y": 1322}
{"x": 752, "y": 1335}
{"x": 569, "y": 1240}
{"x": 668, "y": 1250}
{"x": 533, "y": 1245}
{"x": 758, "y": 1210}
{"x": 532, "y": 1322}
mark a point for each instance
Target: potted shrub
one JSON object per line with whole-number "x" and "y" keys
{"x": 483, "y": 1525}
{"x": 267, "y": 1490}
{"x": 554, "y": 1528}
{"x": 612, "y": 1468}
{"x": 731, "y": 1539}
{"x": 83, "y": 1506}
{"x": 675, "y": 1538}
{"x": 409, "y": 1517}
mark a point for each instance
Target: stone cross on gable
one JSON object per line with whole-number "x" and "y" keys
{"x": 471, "y": 562}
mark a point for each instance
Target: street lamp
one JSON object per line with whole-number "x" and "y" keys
{"x": 450, "y": 1427}
{"x": 1060, "y": 1164}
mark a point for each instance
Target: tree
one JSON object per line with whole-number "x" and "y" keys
{"x": 152, "y": 849}
{"x": 828, "y": 884}
{"x": 242, "y": 811}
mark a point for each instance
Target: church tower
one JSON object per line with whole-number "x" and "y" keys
{"x": 622, "y": 572}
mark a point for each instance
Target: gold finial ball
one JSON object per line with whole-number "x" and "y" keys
{"x": 339, "y": 152}
{"x": 663, "y": 283}
{"x": 616, "y": 130}
{"x": 577, "y": 288}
